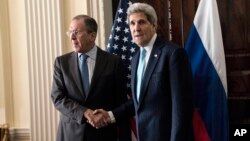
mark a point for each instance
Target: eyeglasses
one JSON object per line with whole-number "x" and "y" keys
{"x": 74, "y": 32}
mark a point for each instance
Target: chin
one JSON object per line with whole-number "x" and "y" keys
{"x": 76, "y": 49}
{"x": 140, "y": 44}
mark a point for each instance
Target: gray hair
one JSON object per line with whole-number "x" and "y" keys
{"x": 147, "y": 9}
{"x": 90, "y": 23}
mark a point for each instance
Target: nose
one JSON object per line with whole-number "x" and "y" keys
{"x": 73, "y": 36}
{"x": 137, "y": 27}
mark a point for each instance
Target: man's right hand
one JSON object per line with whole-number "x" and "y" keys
{"x": 98, "y": 118}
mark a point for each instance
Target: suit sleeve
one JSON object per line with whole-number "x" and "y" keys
{"x": 182, "y": 95}
{"x": 66, "y": 106}
{"x": 124, "y": 111}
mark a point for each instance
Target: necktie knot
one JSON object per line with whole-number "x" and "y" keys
{"x": 143, "y": 53}
{"x": 83, "y": 57}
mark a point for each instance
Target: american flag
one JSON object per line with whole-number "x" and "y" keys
{"x": 121, "y": 44}
{"x": 120, "y": 40}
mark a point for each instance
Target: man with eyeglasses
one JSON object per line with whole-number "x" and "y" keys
{"x": 80, "y": 86}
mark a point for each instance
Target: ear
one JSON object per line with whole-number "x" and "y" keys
{"x": 93, "y": 35}
{"x": 155, "y": 27}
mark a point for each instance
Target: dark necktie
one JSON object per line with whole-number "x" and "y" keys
{"x": 84, "y": 73}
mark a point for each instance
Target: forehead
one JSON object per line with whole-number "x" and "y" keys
{"x": 76, "y": 24}
{"x": 138, "y": 16}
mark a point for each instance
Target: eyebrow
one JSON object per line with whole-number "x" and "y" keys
{"x": 139, "y": 21}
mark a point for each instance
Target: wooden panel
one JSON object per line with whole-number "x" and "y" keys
{"x": 239, "y": 111}
{"x": 238, "y": 62}
{"x": 189, "y": 9}
{"x": 176, "y": 21}
{"x": 234, "y": 17}
{"x": 235, "y": 25}
{"x": 239, "y": 84}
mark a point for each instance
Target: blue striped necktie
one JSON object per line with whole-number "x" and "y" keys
{"x": 140, "y": 71}
{"x": 84, "y": 73}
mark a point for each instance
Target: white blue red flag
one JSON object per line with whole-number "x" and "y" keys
{"x": 121, "y": 44}
{"x": 206, "y": 52}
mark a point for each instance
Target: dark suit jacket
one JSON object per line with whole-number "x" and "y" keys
{"x": 165, "y": 108}
{"x": 107, "y": 91}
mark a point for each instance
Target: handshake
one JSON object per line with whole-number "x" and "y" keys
{"x": 97, "y": 118}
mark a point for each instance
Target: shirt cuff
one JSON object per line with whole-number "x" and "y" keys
{"x": 112, "y": 117}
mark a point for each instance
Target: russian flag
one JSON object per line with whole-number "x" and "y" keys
{"x": 206, "y": 52}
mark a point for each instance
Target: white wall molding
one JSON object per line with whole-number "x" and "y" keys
{"x": 44, "y": 31}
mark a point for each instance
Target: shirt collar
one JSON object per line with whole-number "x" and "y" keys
{"x": 149, "y": 46}
{"x": 92, "y": 53}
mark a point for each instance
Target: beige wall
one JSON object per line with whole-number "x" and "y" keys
{"x": 6, "y": 110}
{"x": 18, "y": 64}
{"x": 28, "y": 46}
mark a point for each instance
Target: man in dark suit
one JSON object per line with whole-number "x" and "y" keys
{"x": 161, "y": 81}
{"x": 79, "y": 89}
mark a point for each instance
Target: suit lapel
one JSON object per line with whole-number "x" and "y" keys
{"x": 99, "y": 65}
{"x": 134, "y": 65}
{"x": 153, "y": 59}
